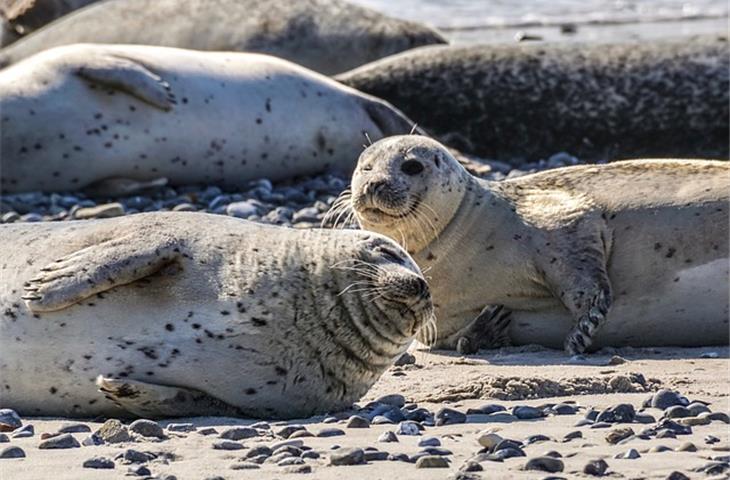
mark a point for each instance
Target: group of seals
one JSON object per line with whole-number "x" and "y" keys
{"x": 79, "y": 114}
{"x": 526, "y": 102}
{"x": 329, "y": 36}
{"x": 254, "y": 320}
{"x": 628, "y": 253}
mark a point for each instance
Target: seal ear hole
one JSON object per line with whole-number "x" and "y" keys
{"x": 437, "y": 161}
{"x": 411, "y": 167}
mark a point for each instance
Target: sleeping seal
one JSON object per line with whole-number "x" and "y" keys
{"x": 526, "y": 102}
{"x": 253, "y": 320}
{"x": 328, "y": 36}
{"x": 629, "y": 253}
{"x": 25, "y": 16}
{"x": 80, "y": 114}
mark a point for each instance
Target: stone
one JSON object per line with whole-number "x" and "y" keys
{"x": 181, "y": 427}
{"x": 147, "y": 428}
{"x": 4, "y": 438}
{"x": 677, "y": 411}
{"x": 621, "y": 413}
{"x": 687, "y": 447}
{"x": 394, "y": 400}
{"x": 330, "y": 432}
{"x": 596, "y": 468}
{"x": 139, "y": 470}
{"x": 65, "y": 440}
{"x": 488, "y": 439}
{"x": 665, "y": 398}
{"x": 572, "y": 435}
{"x": 25, "y": 431}
{"x": 227, "y": 445}
{"x": 537, "y": 438}
{"x": 387, "y": 437}
{"x": 356, "y": 421}
{"x": 629, "y": 454}
{"x": 429, "y": 442}
{"x": 375, "y": 456}
{"x": 432, "y": 461}
{"x": 245, "y": 466}
{"x": 92, "y": 440}
{"x": 239, "y": 433}
{"x": 487, "y": 409}
{"x": 347, "y": 456}
{"x": 109, "y": 210}
{"x": 405, "y": 359}
{"x": 114, "y": 431}
{"x": 12, "y": 452}
{"x": 286, "y": 431}
{"x": 618, "y": 434}
{"x": 102, "y": 463}
{"x": 74, "y": 428}
{"x": 409, "y": 428}
{"x": 545, "y": 464}
{"x": 675, "y": 475}
{"x": 524, "y": 412}
{"x": 449, "y": 416}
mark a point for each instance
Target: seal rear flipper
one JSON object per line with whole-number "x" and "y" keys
{"x": 389, "y": 120}
{"x": 149, "y": 400}
{"x": 490, "y": 329}
{"x": 130, "y": 77}
{"x": 97, "y": 268}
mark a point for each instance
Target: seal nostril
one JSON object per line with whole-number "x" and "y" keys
{"x": 421, "y": 284}
{"x": 411, "y": 167}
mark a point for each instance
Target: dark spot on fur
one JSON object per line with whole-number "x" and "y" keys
{"x": 250, "y": 391}
{"x": 670, "y": 252}
{"x": 170, "y": 327}
{"x": 53, "y": 390}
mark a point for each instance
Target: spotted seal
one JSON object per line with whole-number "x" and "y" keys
{"x": 628, "y": 253}
{"x": 329, "y": 36}
{"x": 528, "y": 101}
{"x": 80, "y": 114}
{"x": 25, "y": 16}
{"x": 252, "y": 320}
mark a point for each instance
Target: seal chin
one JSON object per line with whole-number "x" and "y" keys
{"x": 377, "y": 213}
{"x": 410, "y": 297}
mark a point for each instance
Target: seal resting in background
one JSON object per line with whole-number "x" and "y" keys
{"x": 25, "y": 16}
{"x": 629, "y": 253}
{"x": 525, "y": 102}
{"x": 253, "y": 320}
{"x": 328, "y": 36}
{"x": 80, "y": 114}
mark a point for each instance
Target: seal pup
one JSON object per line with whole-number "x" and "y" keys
{"x": 329, "y": 36}
{"x": 254, "y": 320}
{"x": 79, "y": 114}
{"x": 629, "y": 253}
{"x": 520, "y": 103}
{"x": 25, "y": 16}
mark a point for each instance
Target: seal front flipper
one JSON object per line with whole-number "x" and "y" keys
{"x": 97, "y": 268}
{"x": 490, "y": 329}
{"x": 128, "y": 76}
{"x": 151, "y": 400}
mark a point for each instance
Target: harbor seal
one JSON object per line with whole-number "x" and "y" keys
{"x": 629, "y": 253}
{"x": 80, "y": 114}
{"x": 329, "y": 36}
{"x": 250, "y": 320}
{"x": 518, "y": 103}
{"x": 25, "y": 16}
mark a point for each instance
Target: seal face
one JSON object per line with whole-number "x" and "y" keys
{"x": 168, "y": 320}
{"x": 81, "y": 114}
{"x": 561, "y": 256}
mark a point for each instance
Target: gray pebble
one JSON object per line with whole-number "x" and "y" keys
{"x": 330, "y": 432}
{"x": 114, "y": 431}
{"x": 545, "y": 464}
{"x": 356, "y": 421}
{"x": 596, "y": 468}
{"x": 429, "y": 442}
{"x": 432, "y": 461}
{"x": 65, "y": 440}
{"x": 347, "y": 456}
{"x": 405, "y": 359}
{"x": 140, "y": 471}
{"x": 409, "y": 427}
{"x": 666, "y": 398}
{"x": 25, "y": 431}
{"x": 74, "y": 428}
{"x": 180, "y": 427}
{"x": 4, "y": 438}
{"x": 376, "y": 456}
{"x": 9, "y": 420}
{"x": 147, "y": 428}
{"x": 227, "y": 445}
{"x": 245, "y": 466}
{"x": 629, "y": 454}
{"x": 12, "y": 452}
{"x": 99, "y": 463}
{"x": 449, "y": 416}
{"x": 388, "y": 437}
{"x": 675, "y": 475}
{"x": 239, "y": 433}
{"x": 524, "y": 412}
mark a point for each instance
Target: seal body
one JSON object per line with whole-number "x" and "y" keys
{"x": 628, "y": 253}
{"x": 252, "y": 320}
{"x": 25, "y": 16}
{"x": 526, "y": 102}
{"x": 328, "y": 36}
{"x": 80, "y": 114}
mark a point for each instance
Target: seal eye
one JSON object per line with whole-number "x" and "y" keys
{"x": 390, "y": 255}
{"x": 411, "y": 167}
{"x": 367, "y": 168}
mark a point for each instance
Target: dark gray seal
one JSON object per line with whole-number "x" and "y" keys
{"x": 179, "y": 314}
{"x": 526, "y": 102}
{"x": 328, "y": 36}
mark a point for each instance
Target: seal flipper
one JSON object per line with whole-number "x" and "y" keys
{"x": 97, "y": 268}
{"x": 149, "y": 400}
{"x": 130, "y": 77}
{"x": 490, "y": 329}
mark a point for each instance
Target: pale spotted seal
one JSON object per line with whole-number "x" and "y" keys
{"x": 328, "y": 36}
{"x": 629, "y": 253}
{"x": 79, "y": 114}
{"x": 526, "y": 102}
{"x": 25, "y": 16}
{"x": 197, "y": 314}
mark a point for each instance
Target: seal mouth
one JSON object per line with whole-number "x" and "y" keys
{"x": 385, "y": 215}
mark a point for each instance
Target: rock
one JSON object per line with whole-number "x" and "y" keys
{"x": 286, "y": 431}
{"x": 629, "y": 454}
{"x": 618, "y": 434}
{"x": 131, "y": 455}
{"x": 245, "y": 209}
{"x": 429, "y": 442}
{"x": 715, "y": 416}
{"x": 537, "y": 438}
{"x": 330, "y": 432}
{"x": 677, "y": 411}
{"x": 487, "y": 409}
{"x": 394, "y": 400}
{"x": 449, "y": 416}
{"x": 675, "y": 475}
{"x": 659, "y": 449}
{"x": 572, "y": 435}
{"x": 387, "y": 437}
{"x": 524, "y": 412}
{"x": 644, "y": 418}
{"x": 694, "y": 421}
{"x": 12, "y": 452}
{"x": 114, "y": 431}
{"x": 5, "y": 439}
{"x": 405, "y": 359}
{"x": 140, "y": 471}
{"x": 356, "y": 421}
{"x": 245, "y": 466}
{"x": 347, "y": 456}
{"x": 616, "y": 360}
{"x": 74, "y": 428}
{"x": 621, "y": 413}
{"x": 108, "y": 210}
{"x": 488, "y": 439}
{"x": 92, "y": 440}
{"x": 298, "y": 469}
{"x": 664, "y": 399}
{"x": 25, "y": 431}
{"x": 147, "y": 428}
{"x": 711, "y": 439}
{"x": 180, "y": 427}
{"x": 227, "y": 445}
{"x": 375, "y": 456}
{"x": 409, "y": 427}
{"x": 545, "y": 464}
{"x": 432, "y": 461}
{"x": 563, "y": 409}
{"x": 98, "y": 463}
{"x": 597, "y": 468}
{"x": 65, "y": 440}
{"x": 239, "y": 433}
{"x": 687, "y": 447}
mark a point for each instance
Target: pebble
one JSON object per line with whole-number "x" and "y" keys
{"x": 375, "y": 456}
{"x": 687, "y": 447}
{"x": 330, "y": 432}
{"x": 9, "y": 420}
{"x": 139, "y": 470}
{"x": 74, "y": 428}
{"x": 65, "y": 440}
{"x": 537, "y": 438}
{"x": 12, "y": 452}
{"x": 92, "y": 440}
{"x": 227, "y": 445}
{"x": 131, "y": 455}
{"x": 621, "y": 413}
{"x": 429, "y": 442}
{"x": 432, "y": 461}
{"x": 180, "y": 427}
{"x": 356, "y": 421}
{"x": 629, "y": 454}
{"x": 245, "y": 466}
{"x": 545, "y": 464}
{"x": 298, "y": 469}
{"x": 147, "y": 428}
{"x": 4, "y": 438}
{"x": 488, "y": 439}
{"x": 678, "y": 411}
{"x": 409, "y": 427}
{"x": 405, "y": 359}
{"x": 347, "y": 456}
{"x": 597, "y": 468}
{"x": 524, "y": 412}
{"x": 572, "y": 435}
{"x": 449, "y": 416}
{"x": 239, "y": 433}
{"x": 618, "y": 434}
{"x": 394, "y": 400}
{"x": 108, "y": 210}
{"x": 114, "y": 431}
{"x": 25, "y": 431}
{"x": 675, "y": 475}
{"x": 387, "y": 437}
{"x": 487, "y": 409}
{"x": 659, "y": 449}
{"x": 288, "y": 430}
{"x": 666, "y": 398}
{"x": 99, "y": 463}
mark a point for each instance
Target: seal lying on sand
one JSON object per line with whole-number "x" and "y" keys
{"x": 85, "y": 113}
{"x": 526, "y": 102}
{"x": 25, "y": 16}
{"x": 629, "y": 253}
{"x": 328, "y": 36}
{"x": 252, "y": 320}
